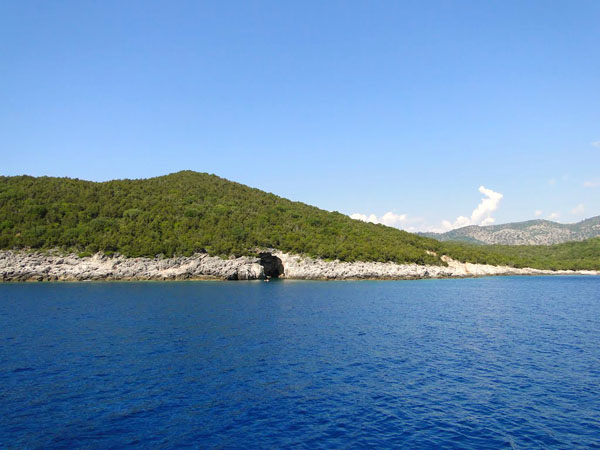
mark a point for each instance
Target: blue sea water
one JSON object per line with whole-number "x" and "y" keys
{"x": 506, "y": 362}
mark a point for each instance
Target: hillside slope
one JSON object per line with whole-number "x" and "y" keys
{"x": 184, "y": 213}
{"x": 189, "y": 212}
{"x": 568, "y": 255}
{"x": 532, "y": 232}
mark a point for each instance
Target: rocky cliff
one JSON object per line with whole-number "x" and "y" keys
{"x": 35, "y": 266}
{"x": 52, "y": 266}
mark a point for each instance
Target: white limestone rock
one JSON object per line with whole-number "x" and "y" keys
{"x": 37, "y": 266}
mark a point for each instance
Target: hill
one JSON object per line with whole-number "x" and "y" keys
{"x": 568, "y": 255}
{"x": 532, "y": 232}
{"x": 184, "y": 213}
{"x": 189, "y": 212}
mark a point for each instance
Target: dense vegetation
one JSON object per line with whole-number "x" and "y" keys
{"x": 569, "y": 255}
{"x": 188, "y": 212}
{"x": 183, "y": 213}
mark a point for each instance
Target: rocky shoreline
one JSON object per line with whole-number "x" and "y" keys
{"x": 53, "y": 266}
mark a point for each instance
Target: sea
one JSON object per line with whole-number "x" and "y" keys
{"x": 483, "y": 363}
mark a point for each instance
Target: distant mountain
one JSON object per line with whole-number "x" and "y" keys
{"x": 531, "y": 232}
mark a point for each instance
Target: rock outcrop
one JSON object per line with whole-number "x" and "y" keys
{"x": 313, "y": 269}
{"x": 26, "y": 266}
{"x": 52, "y": 266}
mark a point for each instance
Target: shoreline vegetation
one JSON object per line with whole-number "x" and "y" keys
{"x": 189, "y": 214}
{"x": 18, "y": 266}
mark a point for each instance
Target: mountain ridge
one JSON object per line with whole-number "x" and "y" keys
{"x": 529, "y": 232}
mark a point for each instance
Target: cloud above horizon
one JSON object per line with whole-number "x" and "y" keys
{"x": 578, "y": 210}
{"x": 591, "y": 183}
{"x": 554, "y": 215}
{"x": 481, "y": 215}
{"x": 390, "y": 219}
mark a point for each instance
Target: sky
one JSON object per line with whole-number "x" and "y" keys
{"x": 424, "y": 115}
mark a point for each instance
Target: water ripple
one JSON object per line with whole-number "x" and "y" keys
{"x": 492, "y": 363}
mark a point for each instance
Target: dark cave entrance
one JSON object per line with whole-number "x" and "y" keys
{"x": 272, "y": 265}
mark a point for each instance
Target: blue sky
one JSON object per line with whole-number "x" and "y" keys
{"x": 398, "y": 107}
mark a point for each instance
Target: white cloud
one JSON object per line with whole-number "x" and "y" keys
{"x": 538, "y": 212}
{"x": 488, "y": 204}
{"x": 372, "y": 218}
{"x": 393, "y": 220}
{"x": 592, "y": 183}
{"x": 552, "y": 181}
{"x": 554, "y": 215}
{"x": 596, "y": 143}
{"x": 578, "y": 210}
{"x": 390, "y": 219}
{"x": 482, "y": 215}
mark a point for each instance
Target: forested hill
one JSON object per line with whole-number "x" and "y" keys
{"x": 184, "y": 213}
{"x": 188, "y": 212}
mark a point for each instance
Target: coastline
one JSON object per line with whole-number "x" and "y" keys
{"x": 52, "y": 266}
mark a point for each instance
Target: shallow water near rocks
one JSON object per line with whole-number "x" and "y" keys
{"x": 505, "y": 362}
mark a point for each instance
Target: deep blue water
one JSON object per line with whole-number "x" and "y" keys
{"x": 506, "y": 362}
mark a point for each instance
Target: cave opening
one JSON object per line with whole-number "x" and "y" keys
{"x": 272, "y": 265}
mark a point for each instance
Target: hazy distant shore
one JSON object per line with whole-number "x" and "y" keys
{"x": 53, "y": 266}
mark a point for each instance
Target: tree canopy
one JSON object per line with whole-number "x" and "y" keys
{"x": 188, "y": 212}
